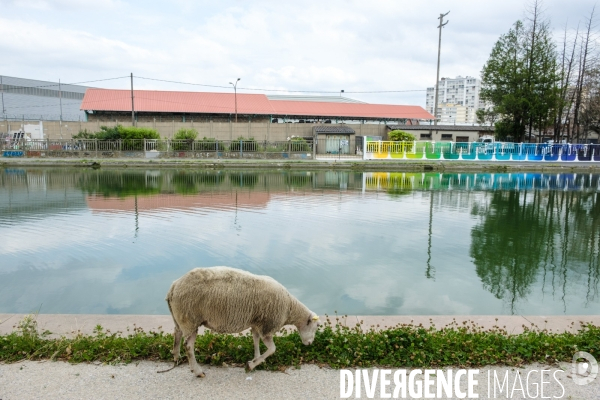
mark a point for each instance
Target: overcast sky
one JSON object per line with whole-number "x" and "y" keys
{"x": 322, "y": 46}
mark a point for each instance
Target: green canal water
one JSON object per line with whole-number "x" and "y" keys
{"x": 112, "y": 241}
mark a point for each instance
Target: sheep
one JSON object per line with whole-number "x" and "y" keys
{"x": 229, "y": 300}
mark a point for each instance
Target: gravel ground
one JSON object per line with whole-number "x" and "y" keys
{"x": 60, "y": 380}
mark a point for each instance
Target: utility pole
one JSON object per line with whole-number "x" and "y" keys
{"x": 60, "y": 102}
{"x": 235, "y": 96}
{"x": 437, "y": 79}
{"x": 132, "y": 108}
{"x": 2, "y": 93}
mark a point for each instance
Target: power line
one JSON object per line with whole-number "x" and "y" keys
{"x": 220, "y": 86}
{"x": 281, "y": 90}
{"x": 56, "y": 84}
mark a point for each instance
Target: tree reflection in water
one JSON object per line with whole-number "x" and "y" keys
{"x": 526, "y": 235}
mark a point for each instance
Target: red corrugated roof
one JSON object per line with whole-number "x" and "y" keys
{"x": 357, "y": 110}
{"x": 223, "y": 103}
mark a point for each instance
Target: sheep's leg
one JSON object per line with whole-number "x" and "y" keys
{"x": 256, "y": 337}
{"x": 268, "y": 341}
{"x": 190, "y": 341}
{"x": 177, "y": 344}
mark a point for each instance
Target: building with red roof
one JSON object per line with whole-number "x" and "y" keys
{"x": 154, "y": 105}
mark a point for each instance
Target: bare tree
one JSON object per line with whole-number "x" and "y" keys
{"x": 565, "y": 98}
{"x": 586, "y": 48}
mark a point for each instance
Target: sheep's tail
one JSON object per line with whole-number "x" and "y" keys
{"x": 170, "y": 369}
{"x": 168, "y": 299}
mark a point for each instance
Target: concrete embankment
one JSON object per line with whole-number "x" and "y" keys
{"x": 342, "y": 164}
{"x": 68, "y": 324}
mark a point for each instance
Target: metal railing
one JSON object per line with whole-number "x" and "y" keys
{"x": 156, "y": 148}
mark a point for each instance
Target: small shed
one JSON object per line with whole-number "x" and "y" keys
{"x": 334, "y": 139}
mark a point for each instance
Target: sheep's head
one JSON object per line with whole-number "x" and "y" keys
{"x": 308, "y": 328}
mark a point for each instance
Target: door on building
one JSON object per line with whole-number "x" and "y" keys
{"x": 337, "y": 144}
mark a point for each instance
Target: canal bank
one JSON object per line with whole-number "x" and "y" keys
{"x": 325, "y": 164}
{"x": 71, "y": 324}
{"x": 38, "y": 377}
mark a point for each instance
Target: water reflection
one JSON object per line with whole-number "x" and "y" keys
{"x": 111, "y": 241}
{"x": 530, "y": 234}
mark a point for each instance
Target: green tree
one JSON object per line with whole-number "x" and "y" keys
{"x": 400, "y": 136}
{"x": 520, "y": 78}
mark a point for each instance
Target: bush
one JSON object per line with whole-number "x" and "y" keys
{"x": 84, "y": 134}
{"x": 400, "y": 136}
{"x": 131, "y": 136}
{"x": 209, "y": 144}
{"x": 246, "y": 144}
{"x": 299, "y": 144}
{"x": 184, "y": 139}
{"x": 119, "y": 133}
{"x": 186, "y": 134}
{"x": 105, "y": 133}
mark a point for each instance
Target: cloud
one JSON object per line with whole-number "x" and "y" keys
{"x": 303, "y": 45}
{"x": 29, "y": 45}
{"x": 64, "y": 4}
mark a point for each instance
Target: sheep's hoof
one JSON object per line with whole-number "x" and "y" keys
{"x": 249, "y": 366}
{"x": 200, "y": 374}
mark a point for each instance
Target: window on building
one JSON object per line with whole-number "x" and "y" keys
{"x": 446, "y": 136}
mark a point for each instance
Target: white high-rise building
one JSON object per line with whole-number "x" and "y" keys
{"x": 458, "y": 100}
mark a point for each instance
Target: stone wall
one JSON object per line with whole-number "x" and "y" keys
{"x": 217, "y": 130}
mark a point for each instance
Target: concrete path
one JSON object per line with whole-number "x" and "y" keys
{"x": 68, "y": 324}
{"x": 60, "y": 380}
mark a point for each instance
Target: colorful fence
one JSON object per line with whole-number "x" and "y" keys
{"x": 475, "y": 151}
{"x": 404, "y": 182}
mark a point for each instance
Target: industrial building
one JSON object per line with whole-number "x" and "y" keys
{"x": 156, "y": 106}
{"x": 34, "y": 100}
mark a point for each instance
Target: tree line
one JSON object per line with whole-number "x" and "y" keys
{"x": 533, "y": 85}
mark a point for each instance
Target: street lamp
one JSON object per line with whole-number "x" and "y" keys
{"x": 235, "y": 95}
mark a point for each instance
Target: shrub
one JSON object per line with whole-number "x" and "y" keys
{"x": 209, "y": 144}
{"x": 186, "y": 134}
{"x": 84, "y": 134}
{"x": 400, "y": 136}
{"x": 119, "y": 133}
{"x": 105, "y": 133}
{"x": 246, "y": 144}
{"x": 184, "y": 139}
{"x": 299, "y": 144}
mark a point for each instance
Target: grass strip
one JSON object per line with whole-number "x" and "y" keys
{"x": 463, "y": 345}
